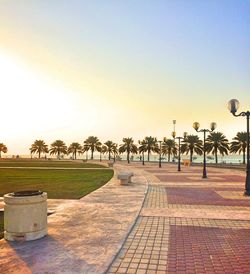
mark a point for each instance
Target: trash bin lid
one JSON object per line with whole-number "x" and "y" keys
{"x": 27, "y": 193}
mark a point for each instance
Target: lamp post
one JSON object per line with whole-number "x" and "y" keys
{"x": 141, "y": 143}
{"x": 174, "y": 134}
{"x": 233, "y": 106}
{"x": 179, "y": 149}
{"x": 196, "y": 126}
{"x": 160, "y": 154}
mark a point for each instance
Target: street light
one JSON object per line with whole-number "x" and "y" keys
{"x": 160, "y": 154}
{"x": 174, "y": 134}
{"x": 179, "y": 149}
{"x": 233, "y": 106}
{"x": 141, "y": 143}
{"x": 196, "y": 126}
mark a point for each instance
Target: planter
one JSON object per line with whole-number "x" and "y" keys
{"x": 25, "y": 215}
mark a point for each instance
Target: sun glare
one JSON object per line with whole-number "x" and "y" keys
{"x": 34, "y": 108}
{"x": 28, "y": 102}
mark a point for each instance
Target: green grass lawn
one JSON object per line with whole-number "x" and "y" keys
{"x": 59, "y": 184}
{"x": 45, "y": 163}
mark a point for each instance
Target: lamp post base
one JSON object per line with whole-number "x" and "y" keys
{"x": 247, "y": 193}
{"x": 204, "y": 176}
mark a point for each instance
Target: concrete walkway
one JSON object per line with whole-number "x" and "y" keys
{"x": 165, "y": 222}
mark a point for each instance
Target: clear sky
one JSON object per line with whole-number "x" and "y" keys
{"x": 113, "y": 69}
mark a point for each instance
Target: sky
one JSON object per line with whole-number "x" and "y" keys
{"x": 114, "y": 69}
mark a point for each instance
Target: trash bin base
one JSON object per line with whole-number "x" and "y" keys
{"x": 28, "y": 236}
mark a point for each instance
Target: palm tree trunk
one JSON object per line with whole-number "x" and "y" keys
{"x": 168, "y": 157}
{"x": 128, "y": 156}
{"x": 148, "y": 155}
{"x": 244, "y": 155}
{"x": 216, "y": 156}
{"x": 39, "y": 154}
{"x": 109, "y": 155}
{"x": 92, "y": 154}
{"x": 191, "y": 156}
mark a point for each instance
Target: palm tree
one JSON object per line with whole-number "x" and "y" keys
{"x": 101, "y": 149}
{"x": 192, "y": 144}
{"x": 39, "y": 147}
{"x": 142, "y": 149}
{"x": 58, "y": 147}
{"x": 85, "y": 148}
{"x": 239, "y": 144}
{"x": 217, "y": 142}
{"x": 128, "y": 147}
{"x": 93, "y": 143}
{"x": 111, "y": 148}
{"x": 75, "y": 148}
{"x": 151, "y": 145}
{"x": 3, "y": 149}
{"x": 115, "y": 150}
{"x": 169, "y": 147}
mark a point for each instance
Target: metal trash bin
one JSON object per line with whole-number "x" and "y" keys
{"x": 25, "y": 215}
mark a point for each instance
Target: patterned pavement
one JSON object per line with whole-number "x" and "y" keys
{"x": 189, "y": 225}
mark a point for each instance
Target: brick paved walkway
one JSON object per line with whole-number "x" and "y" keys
{"x": 189, "y": 225}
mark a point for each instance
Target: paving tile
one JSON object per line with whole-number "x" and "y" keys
{"x": 206, "y": 242}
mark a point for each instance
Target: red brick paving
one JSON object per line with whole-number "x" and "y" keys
{"x": 201, "y": 196}
{"x": 174, "y": 171}
{"x": 194, "y": 249}
{"x": 174, "y": 178}
{"x": 215, "y": 178}
{"x": 234, "y": 178}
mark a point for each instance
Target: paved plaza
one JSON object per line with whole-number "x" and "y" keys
{"x": 164, "y": 222}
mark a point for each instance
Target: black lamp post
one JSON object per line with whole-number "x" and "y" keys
{"x": 179, "y": 149}
{"x": 233, "y": 106}
{"x": 196, "y": 126}
{"x": 174, "y": 134}
{"x": 160, "y": 154}
{"x": 141, "y": 143}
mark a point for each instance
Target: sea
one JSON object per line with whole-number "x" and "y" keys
{"x": 227, "y": 159}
